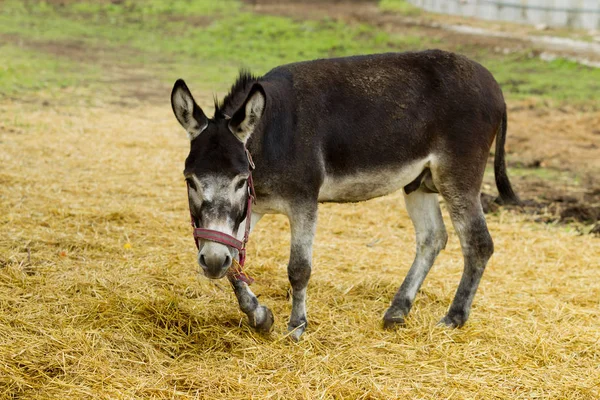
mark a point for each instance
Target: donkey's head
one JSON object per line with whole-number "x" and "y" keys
{"x": 217, "y": 171}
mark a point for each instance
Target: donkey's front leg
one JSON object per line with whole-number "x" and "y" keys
{"x": 303, "y": 222}
{"x": 259, "y": 316}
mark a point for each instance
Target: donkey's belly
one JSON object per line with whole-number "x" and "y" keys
{"x": 365, "y": 185}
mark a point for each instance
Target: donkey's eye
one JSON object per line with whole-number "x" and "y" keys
{"x": 240, "y": 184}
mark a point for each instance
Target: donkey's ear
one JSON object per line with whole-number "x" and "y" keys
{"x": 187, "y": 112}
{"x": 244, "y": 121}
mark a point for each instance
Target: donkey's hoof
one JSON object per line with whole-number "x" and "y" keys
{"x": 453, "y": 320}
{"x": 264, "y": 319}
{"x": 296, "y": 330}
{"x": 393, "y": 319}
{"x": 393, "y": 322}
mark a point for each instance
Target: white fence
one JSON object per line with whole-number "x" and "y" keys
{"x": 583, "y": 14}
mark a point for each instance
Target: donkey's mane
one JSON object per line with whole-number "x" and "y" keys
{"x": 236, "y": 94}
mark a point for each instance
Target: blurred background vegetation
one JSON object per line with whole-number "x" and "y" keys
{"x": 85, "y": 49}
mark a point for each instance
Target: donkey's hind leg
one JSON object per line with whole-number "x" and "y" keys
{"x": 477, "y": 248}
{"x": 424, "y": 211}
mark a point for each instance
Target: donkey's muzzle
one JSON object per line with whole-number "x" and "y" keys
{"x": 214, "y": 259}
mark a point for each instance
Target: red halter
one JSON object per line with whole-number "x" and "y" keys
{"x": 235, "y": 272}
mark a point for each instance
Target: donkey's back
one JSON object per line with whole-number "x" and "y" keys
{"x": 367, "y": 125}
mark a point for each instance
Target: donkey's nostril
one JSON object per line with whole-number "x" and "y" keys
{"x": 203, "y": 261}
{"x": 227, "y": 262}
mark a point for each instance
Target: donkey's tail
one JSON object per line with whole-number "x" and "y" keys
{"x": 505, "y": 190}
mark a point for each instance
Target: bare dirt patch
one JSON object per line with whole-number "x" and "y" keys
{"x": 556, "y": 152}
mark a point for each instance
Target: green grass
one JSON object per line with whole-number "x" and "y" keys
{"x": 159, "y": 7}
{"x": 521, "y": 76}
{"x": 258, "y": 40}
{"x": 400, "y": 6}
{"x": 208, "y": 41}
{"x": 27, "y": 70}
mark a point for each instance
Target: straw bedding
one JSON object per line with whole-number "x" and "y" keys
{"x": 99, "y": 296}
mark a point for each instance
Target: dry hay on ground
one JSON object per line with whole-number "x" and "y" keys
{"x": 108, "y": 304}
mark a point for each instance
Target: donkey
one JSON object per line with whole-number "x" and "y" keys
{"x": 347, "y": 130}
